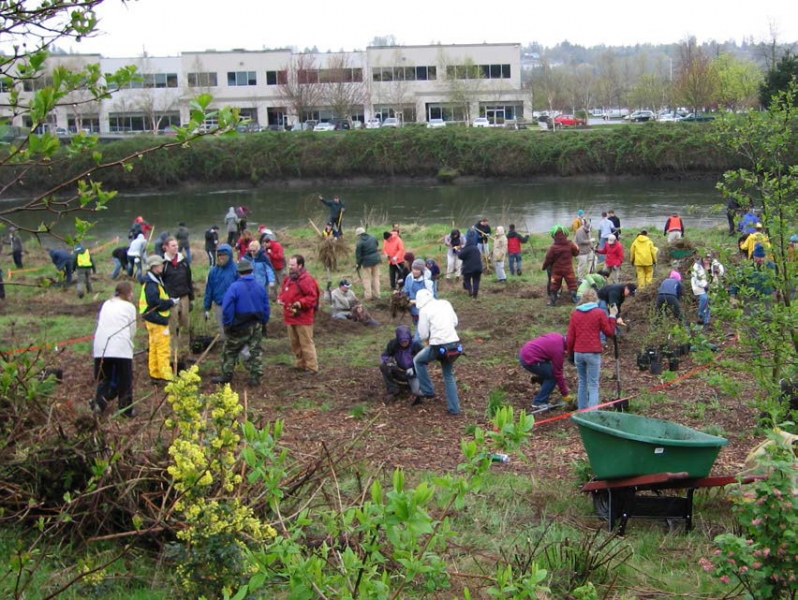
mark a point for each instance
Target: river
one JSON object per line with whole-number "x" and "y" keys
{"x": 532, "y": 205}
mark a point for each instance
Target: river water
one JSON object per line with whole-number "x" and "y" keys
{"x": 532, "y": 205}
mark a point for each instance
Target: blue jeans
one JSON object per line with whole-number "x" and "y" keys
{"x": 420, "y": 361}
{"x": 703, "y": 308}
{"x": 544, "y": 371}
{"x": 515, "y": 262}
{"x": 187, "y": 253}
{"x": 602, "y": 242}
{"x": 117, "y": 267}
{"x": 588, "y": 368}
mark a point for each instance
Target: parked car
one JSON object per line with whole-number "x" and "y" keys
{"x": 641, "y": 116}
{"x": 168, "y": 130}
{"x": 616, "y": 113}
{"x": 373, "y": 124}
{"x": 515, "y": 124}
{"x": 309, "y": 125}
{"x": 481, "y": 122}
{"x": 669, "y": 118}
{"x": 436, "y": 123}
{"x": 568, "y": 121}
{"x": 338, "y": 124}
{"x": 324, "y": 127}
{"x": 61, "y": 131}
{"x": 391, "y": 122}
{"x": 694, "y": 118}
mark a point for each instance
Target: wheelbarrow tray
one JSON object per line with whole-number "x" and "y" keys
{"x": 625, "y": 445}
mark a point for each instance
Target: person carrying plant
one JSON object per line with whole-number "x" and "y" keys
{"x": 500, "y": 245}
{"x": 299, "y": 298}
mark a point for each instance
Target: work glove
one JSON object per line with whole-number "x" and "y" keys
{"x": 207, "y": 315}
{"x": 613, "y": 310}
{"x": 174, "y": 300}
{"x": 271, "y": 284}
{"x": 410, "y": 372}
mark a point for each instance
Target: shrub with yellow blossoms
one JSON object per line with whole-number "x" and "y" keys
{"x": 215, "y": 524}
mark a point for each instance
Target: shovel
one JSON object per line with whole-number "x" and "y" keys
{"x": 622, "y": 406}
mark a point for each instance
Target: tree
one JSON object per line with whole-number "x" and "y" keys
{"x": 464, "y": 80}
{"x": 779, "y": 78}
{"x": 300, "y": 89}
{"x": 343, "y": 89}
{"x": 36, "y": 87}
{"x": 738, "y": 81}
{"x": 551, "y": 85}
{"x": 697, "y": 83}
{"x": 610, "y": 86}
{"x": 766, "y": 145}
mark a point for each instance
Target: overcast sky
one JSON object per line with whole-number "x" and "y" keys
{"x": 167, "y": 27}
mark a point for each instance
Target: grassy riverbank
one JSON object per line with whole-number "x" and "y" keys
{"x": 534, "y": 498}
{"x": 648, "y": 149}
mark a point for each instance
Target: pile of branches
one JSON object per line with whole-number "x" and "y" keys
{"x": 399, "y": 304}
{"x": 89, "y": 478}
{"x": 330, "y": 250}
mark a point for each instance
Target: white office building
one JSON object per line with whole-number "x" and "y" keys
{"x": 281, "y": 88}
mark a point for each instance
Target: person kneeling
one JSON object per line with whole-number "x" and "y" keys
{"x": 397, "y": 363}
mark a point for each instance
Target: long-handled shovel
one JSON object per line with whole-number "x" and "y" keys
{"x": 622, "y": 406}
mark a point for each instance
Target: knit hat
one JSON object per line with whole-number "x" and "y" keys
{"x": 759, "y": 225}
{"x": 759, "y": 251}
{"x": 418, "y": 264}
{"x": 154, "y": 261}
{"x": 360, "y": 231}
{"x": 675, "y": 275}
{"x": 580, "y": 212}
{"x": 611, "y": 238}
{"x": 409, "y": 257}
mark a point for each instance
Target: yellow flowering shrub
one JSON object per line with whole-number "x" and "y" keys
{"x": 215, "y": 523}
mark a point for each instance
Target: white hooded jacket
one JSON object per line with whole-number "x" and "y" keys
{"x": 436, "y": 319}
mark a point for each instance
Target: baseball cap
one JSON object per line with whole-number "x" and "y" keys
{"x": 345, "y": 283}
{"x": 360, "y": 231}
{"x": 154, "y": 261}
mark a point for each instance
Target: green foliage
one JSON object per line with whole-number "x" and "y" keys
{"x": 778, "y": 79}
{"x": 388, "y": 540}
{"x": 762, "y": 557}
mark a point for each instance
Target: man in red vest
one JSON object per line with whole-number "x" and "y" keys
{"x": 674, "y": 228}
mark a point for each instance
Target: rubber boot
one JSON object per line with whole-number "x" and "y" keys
{"x": 519, "y": 272}
{"x": 222, "y": 379}
{"x": 552, "y": 299}
{"x": 573, "y": 297}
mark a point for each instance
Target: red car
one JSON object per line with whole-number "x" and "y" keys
{"x": 568, "y": 121}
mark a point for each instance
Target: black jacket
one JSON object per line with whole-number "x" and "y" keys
{"x": 472, "y": 260}
{"x": 177, "y": 279}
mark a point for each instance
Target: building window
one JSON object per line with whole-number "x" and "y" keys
{"x": 33, "y": 85}
{"x": 202, "y": 80}
{"x": 478, "y": 72}
{"x": 158, "y": 80}
{"x": 305, "y": 76}
{"x": 276, "y": 77}
{"x": 402, "y": 74}
{"x": 239, "y": 78}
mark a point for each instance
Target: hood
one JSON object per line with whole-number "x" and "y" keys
{"x": 587, "y": 306}
{"x": 403, "y": 334}
{"x": 499, "y": 230}
{"x": 225, "y": 249}
{"x": 675, "y": 275}
{"x": 560, "y": 237}
{"x": 140, "y": 236}
{"x": 423, "y": 297}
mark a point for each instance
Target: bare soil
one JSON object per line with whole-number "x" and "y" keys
{"x": 337, "y": 405}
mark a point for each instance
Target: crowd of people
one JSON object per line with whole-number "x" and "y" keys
{"x": 249, "y": 270}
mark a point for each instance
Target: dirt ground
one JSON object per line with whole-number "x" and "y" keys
{"x": 345, "y": 402}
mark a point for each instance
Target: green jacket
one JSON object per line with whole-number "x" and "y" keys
{"x": 367, "y": 251}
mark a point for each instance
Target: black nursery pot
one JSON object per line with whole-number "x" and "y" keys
{"x": 673, "y": 364}
{"x": 656, "y": 367}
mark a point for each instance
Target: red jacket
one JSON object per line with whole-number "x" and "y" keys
{"x": 614, "y": 254}
{"x": 301, "y": 288}
{"x": 584, "y": 327}
{"x": 560, "y": 257}
{"x": 276, "y": 255}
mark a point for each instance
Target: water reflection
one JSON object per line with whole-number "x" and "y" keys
{"x": 532, "y": 206}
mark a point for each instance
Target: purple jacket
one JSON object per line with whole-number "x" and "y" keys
{"x": 547, "y": 347}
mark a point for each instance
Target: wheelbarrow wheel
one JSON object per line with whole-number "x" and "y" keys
{"x": 601, "y": 504}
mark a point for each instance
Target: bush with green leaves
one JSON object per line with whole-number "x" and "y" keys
{"x": 763, "y": 557}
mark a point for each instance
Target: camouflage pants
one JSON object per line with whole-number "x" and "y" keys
{"x": 238, "y": 337}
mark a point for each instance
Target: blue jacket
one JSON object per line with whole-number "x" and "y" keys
{"x": 60, "y": 258}
{"x": 748, "y": 222}
{"x": 220, "y": 278}
{"x": 670, "y": 287}
{"x": 262, "y": 268}
{"x": 412, "y": 286}
{"x": 246, "y": 301}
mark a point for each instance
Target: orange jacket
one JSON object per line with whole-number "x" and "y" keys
{"x": 394, "y": 249}
{"x": 674, "y": 224}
